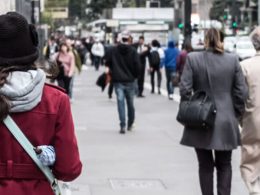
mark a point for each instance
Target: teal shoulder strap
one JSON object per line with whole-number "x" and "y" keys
{"x": 29, "y": 148}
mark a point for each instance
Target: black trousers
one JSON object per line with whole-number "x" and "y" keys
{"x": 141, "y": 79}
{"x": 65, "y": 82}
{"x": 110, "y": 89}
{"x": 209, "y": 159}
{"x": 97, "y": 61}
{"x": 159, "y": 78}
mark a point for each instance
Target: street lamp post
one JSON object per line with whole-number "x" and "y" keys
{"x": 177, "y": 19}
{"x": 187, "y": 20}
{"x": 36, "y": 20}
{"x": 35, "y": 17}
{"x": 258, "y": 11}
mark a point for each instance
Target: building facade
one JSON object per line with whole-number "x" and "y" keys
{"x": 21, "y": 6}
{"x": 7, "y": 5}
{"x": 24, "y": 7}
{"x": 204, "y": 8}
{"x": 58, "y": 9}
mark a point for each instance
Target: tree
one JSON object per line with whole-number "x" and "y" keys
{"x": 46, "y": 18}
{"x": 130, "y": 3}
{"x": 96, "y": 7}
{"x": 217, "y": 10}
{"x": 77, "y": 9}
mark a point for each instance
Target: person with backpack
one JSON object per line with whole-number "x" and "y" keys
{"x": 171, "y": 55}
{"x": 156, "y": 58}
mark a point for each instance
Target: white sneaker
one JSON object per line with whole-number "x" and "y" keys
{"x": 171, "y": 97}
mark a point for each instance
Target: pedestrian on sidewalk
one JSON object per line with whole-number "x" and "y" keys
{"x": 143, "y": 51}
{"x": 40, "y": 110}
{"x": 228, "y": 89}
{"x": 171, "y": 55}
{"x": 123, "y": 64}
{"x": 78, "y": 64}
{"x": 66, "y": 63}
{"x": 51, "y": 48}
{"x": 250, "y": 163}
{"x": 98, "y": 51}
{"x": 186, "y": 48}
{"x": 156, "y": 60}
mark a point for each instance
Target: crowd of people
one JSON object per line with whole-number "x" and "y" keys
{"x": 71, "y": 54}
{"x": 231, "y": 86}
{"x": 35, "y": 106}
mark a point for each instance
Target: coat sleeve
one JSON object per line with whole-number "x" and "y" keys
{"x": 186, "y": 84}
{"x": 68, "y": 165}
{"x": 240, "y": 90}
{"x": 178, "y": 64}
{"x": 108, "y": 57}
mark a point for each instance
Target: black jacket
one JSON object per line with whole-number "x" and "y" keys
{"x": 144, "y": 54}
{"x": 123, "y": 62}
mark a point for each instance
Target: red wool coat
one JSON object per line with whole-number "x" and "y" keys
{"x": 50, "y": 123}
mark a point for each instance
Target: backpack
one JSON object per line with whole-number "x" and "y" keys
{"x": 154, "y": 59}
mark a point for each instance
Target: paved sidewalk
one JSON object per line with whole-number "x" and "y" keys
{"x": 147, "y": 161}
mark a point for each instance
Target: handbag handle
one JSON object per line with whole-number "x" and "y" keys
{"x": 209, "y": 78}
{"x": 197, "y": 94}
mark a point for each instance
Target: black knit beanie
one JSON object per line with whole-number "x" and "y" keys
{"x": 18, "y": 40}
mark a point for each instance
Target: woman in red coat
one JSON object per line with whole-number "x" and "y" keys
{"x": 41, "y": 111}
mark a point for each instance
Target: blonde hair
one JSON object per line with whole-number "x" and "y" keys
{"x": 213, "y": 41}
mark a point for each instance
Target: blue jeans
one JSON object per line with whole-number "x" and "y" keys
{"x": 125, "y": 92}
{"x": 169, "y": 75}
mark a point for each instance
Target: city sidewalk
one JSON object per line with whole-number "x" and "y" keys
{"x": 147, "y": 161}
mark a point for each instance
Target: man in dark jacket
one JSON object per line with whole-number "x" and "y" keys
{"x": 143, "y": 51}
{"x": 51, "y": 48}
{"x": 123, "y": 62}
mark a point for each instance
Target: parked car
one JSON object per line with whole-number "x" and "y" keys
{"x": 229, "y": 44}
{"x": 244, "y": 49}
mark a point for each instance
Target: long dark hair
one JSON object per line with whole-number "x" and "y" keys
{"x": 187, "y": 46}
{"x": 5, "y": 105}
{"x": 213, "y": 41}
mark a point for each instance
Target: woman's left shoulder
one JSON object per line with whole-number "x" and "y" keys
{"x": 196, "y": 55}
{"x": 230, "y": 55}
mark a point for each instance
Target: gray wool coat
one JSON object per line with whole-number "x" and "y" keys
{"x": 229, "y": 91}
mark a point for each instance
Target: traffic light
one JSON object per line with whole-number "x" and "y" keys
{"x": 234, "y": 24}
{"x": 180, "y": 25}
{"x": 225, "y": 16}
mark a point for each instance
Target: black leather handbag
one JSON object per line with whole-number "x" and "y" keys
{"x": 199, "y": 111}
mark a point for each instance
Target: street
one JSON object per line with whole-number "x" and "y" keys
{"x": 147, "y": 161}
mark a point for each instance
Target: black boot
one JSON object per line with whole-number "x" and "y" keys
{"x": 122, "y": 131}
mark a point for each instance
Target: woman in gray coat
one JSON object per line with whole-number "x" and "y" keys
{"x": 214, "y": 146}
